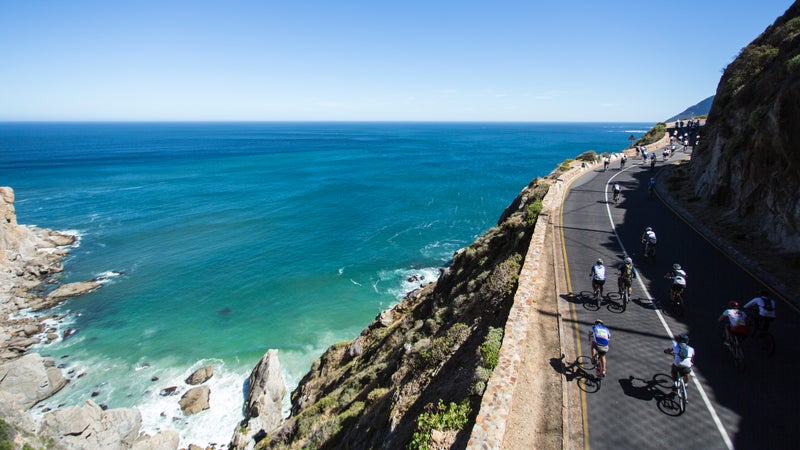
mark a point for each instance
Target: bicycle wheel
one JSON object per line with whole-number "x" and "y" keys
{"x": 682, "y": 395}
{"x": 738, "y": 355}
{"x": 768, "y": 344}
{"x": 597, "y": 298}
{"x": 624, "y": 300}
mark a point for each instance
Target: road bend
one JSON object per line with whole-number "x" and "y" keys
{"x": 634, "y": 407}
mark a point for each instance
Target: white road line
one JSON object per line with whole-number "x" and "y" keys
{"x": 698, "y": 385}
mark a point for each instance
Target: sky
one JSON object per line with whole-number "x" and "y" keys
{"x": 171, "y": 60}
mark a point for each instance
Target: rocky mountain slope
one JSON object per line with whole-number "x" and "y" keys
{"x": 747, "y": 165}
{"x": 414, "y": 377}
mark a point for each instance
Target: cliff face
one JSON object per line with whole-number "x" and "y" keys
{"x": 424, "y": 361}
{"x": 748, "y": 161}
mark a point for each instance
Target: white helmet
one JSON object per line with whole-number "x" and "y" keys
{"x": 599, "y": 261}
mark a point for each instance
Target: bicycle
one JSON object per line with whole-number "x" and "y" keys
{"x": 680, "y": 388}
{"x": 760, "y": 326}
{"x": 616, "y": 197}
{"x": 734, "y": 346}
{"x": 625, "y": 299}
{"x": 677, "y": 301}
{"x": 649, "y": 248}
{"x": 597, "y": 297}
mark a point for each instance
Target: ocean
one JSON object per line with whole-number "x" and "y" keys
{"x": 218, "y": 241}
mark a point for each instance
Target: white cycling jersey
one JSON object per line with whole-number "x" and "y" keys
{"x": 651, "y": 236}
{"x": 679, "y": 281}
{"x": 685, "y": 359}
{"x": 766, "y": 306}
{"x": 599, "y": 272}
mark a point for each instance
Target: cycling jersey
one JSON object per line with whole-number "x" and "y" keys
{"x": 600, "y": 335}
{"x": 616, "y": 188}
{"x": 737, "y": 320}
{"x": 682, "y": 355}
{"x": 650, "y": 236}
{"x": 628, "y": 271}
{"x": 766, "y": 306}
{"x": 679, "y": 281}
{"x": 598, "y": 273}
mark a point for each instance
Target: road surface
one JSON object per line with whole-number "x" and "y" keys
{"x": 633, "y": 407}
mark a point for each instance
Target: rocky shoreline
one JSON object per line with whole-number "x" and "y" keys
{"x": 30, "y": 260}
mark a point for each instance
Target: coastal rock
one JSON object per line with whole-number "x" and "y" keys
{"x": 88, "y": 426}
{"x": 30, "y": 379}
{"x": 195, "y": 400}
{"x": 72, "y": 290}
{"x": 200, "y": 376}
{"x": 263, "y": 407}
{"x": 163, "y": 440}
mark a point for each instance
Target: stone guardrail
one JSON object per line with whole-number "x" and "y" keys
{"x": 490, "y": 424}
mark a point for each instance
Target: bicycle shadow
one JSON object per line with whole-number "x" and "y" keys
{"x": 658, "y": 389}
{"x": 581, "y": 371}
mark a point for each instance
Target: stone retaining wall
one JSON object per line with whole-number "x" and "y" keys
{"x": 490, "y": 424}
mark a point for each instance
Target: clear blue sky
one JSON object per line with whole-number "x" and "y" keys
{"x": 368, "y": 60}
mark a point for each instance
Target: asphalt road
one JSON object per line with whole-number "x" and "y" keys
{"x": 633, "y": 407}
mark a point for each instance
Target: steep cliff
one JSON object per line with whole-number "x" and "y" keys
{"x": 414, "y": 377}
{"x": 747, "y": 164}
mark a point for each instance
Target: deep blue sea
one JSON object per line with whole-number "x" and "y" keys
{"x": 218, "y": 241}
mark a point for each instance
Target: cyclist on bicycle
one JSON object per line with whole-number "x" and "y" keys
{"x": 678, "y": 277}
{"x": 598, "y": 276}
{"x": 735, "y": 322}
{"x": 599, "y": 337}
{"x": 649, "y": 240}
{"x": 765, "y": 314}
{"x": 626, "y": 275}
{"x": 622, "y": 161}
{"x": 616, "y": 190}
{"x": 683, "y": 361}
{"x": 651, "y": 186}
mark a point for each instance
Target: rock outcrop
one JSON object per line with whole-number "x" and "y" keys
{"x": 200, "y": 376}
{"x": 30, "y": 379}
{"x": 195, "y": 400}
{"x": 262, "y": 408}
{"x": 747, "y": 164}
{"x": 89, "y": 426}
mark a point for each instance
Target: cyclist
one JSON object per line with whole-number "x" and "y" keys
{"x": 606, "y": 162}
{"x": 626, "y": 275}
{"x": 622, "y": 161}
{"x": 652, "y": 162}
{"x": 651, "y": 186}
{"x": 683, "y": 361}
{"x": 649, "y": 240}
{"x": 599, "y": 337}
{"x": 735, "y": 322}
{"x": 765, "y": 314}
{"x": 598, "y": 276}
{"x": 616, "y": 190}
{"x": 678, "y": 277}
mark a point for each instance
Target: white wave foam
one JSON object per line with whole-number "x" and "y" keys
{"x": 635, "y": 131}
{"x": 107, "y": 276}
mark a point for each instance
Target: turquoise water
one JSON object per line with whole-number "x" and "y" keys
{"x": 219, "y": 241}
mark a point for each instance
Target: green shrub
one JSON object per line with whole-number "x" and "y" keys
{"x": 794, "y": 63}
{"x": 443, "y": 418}
{"x": 653, "y": 134}
{"x": 490, "y": 349}
{"x": 533, "y": 212}
{"x": 589, "y": 156}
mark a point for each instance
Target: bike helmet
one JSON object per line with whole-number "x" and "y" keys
{"x": 683, "y": 338}
{"x": 733, "y": 304}
{"x": 676, "y": 267}
{"x": 599, "y": 261}
{"x": 598, "y": 321}
{"x": 628, "y": 260}
{"x": 648, "y": 229}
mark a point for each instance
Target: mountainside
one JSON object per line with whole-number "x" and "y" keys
{"x": 422, "y": 365}
{"x": 747, "y": 165}
{"x": 700, "y": 109}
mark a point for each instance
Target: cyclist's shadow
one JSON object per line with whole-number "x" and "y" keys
{"x": 580, "y": 371}
{"x": 658, "y": 389}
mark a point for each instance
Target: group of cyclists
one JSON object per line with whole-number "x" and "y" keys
{"x": 754, "y": 316}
